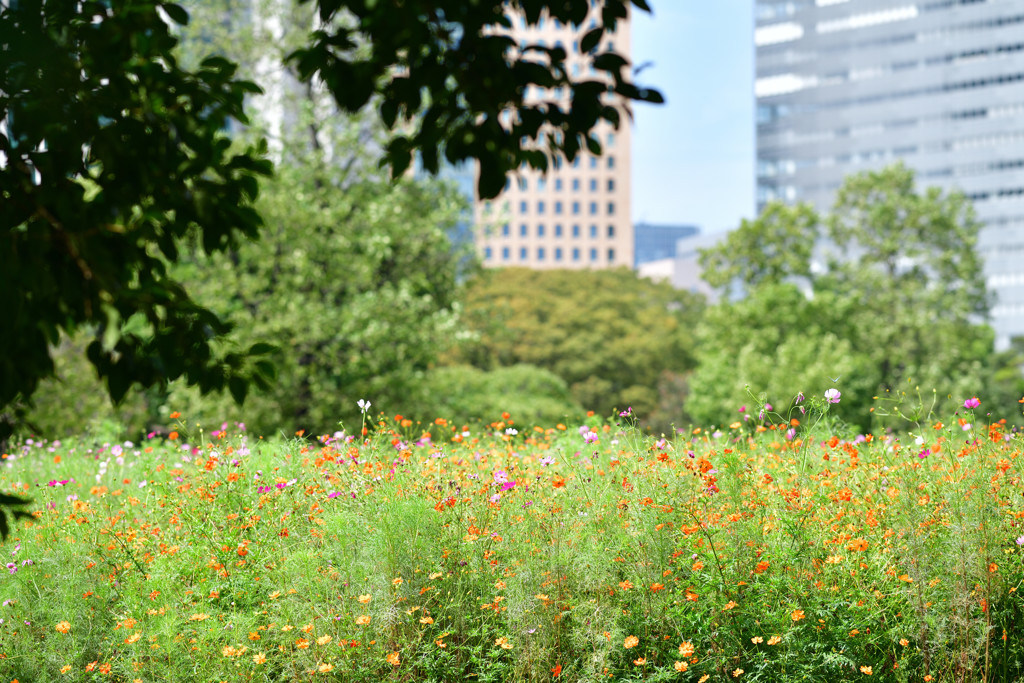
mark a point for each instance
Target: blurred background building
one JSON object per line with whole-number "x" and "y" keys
{"x": 848, "y": 85}
{"x": 578, "y": 214}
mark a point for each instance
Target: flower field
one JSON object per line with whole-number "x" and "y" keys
{"x": 761, "y": 551}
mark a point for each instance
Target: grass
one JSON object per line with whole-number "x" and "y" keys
{"x": 584, "y": 552}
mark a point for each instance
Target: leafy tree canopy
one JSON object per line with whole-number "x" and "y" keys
{"x": 113, "y": 154}
{"x": 446, "y": 70}
{"x": 617, "y": 339}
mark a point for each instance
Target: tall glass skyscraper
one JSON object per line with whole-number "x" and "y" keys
{"x": 848, "y": 85}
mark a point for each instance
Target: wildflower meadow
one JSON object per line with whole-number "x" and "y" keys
{"x": 774, "y": 548}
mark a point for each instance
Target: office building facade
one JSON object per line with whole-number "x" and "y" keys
{"x": 577, "y": 215}
{"x": 845, "y": 86}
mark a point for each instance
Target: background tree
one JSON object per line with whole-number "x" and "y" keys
{"x": 617, "y": 339}
{"x": 776, "y": 245}
{"x": 909, "y": 259}
{"x": 901, "y": 306}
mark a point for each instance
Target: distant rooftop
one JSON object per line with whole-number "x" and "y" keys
{"x": 656, "y": 242}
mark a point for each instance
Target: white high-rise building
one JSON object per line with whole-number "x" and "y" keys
{"x": 848, "y": 85}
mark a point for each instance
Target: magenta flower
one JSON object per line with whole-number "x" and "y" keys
{"x": 972, "y": 402}
{"x": 832, "y": 395}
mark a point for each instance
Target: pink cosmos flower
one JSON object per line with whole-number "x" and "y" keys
{"x": 972, "y": 402}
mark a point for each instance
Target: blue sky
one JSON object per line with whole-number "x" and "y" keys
{"x": 693, "y": 157}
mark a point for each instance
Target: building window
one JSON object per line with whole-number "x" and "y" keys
{"x": 506, "y": 230}
{"x": 558, "y": 229}
{"x": 540, "y": 230}
{"x": 575, "y": 231}
{"x": 593, "y": 254}
{"x": 558, "y": 253}
{"x": 487, "y": 253}
{"x": 540, "y": 253}
{"x": 558, "y": 182}
{"x": 522, "y": 183}
{"x": 523, "y": 208}
{"x": 575, "y": 254}
{"x": 611, "y": 256}
{"x": 522, "y": 253}
{"x": 611, "y": 139}
{"x": 593, "y": 184}
{"x": 575, "y": 184}
{"x": 541, "y": 184}
{"x": 558, "y": 207}
{"x": 611, "y": 208}
{"x": 611, "y": 231}
{"x": 576, "y": 162}
{"x": 523, "y": 230}
{"x": 506, "y": 253}
{"x": 593, "y": 208}
{"x": 593, "y": 162}
{"x": 593, "y": 231}
{"x": 575, "y": 208}
{"x": 611, "y": 162}
{"x": 611, "y": 184}
{"x": 540, "y": 207}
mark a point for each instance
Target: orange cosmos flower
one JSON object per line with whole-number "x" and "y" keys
{"x": 365, "y": 599}
{"x": 737, "y": 673}
{"x": 427, "y": 620}
{"x": 324, "y": 668}
{"x": 557, "y": 671}
{"x": 857, "y": 545}
{"x": 259, "y": 658}
{"x": 680, "y": 666}
{"x": 63, "y": 626}
{"x": 393, "y": 659}
{"x": 625, "y": 585}
{"x": 657, "y": 587}
{"x": 362, "y": 620}
{"x": 866, "y": 670}
{"x": 631, "y": 641}
{"x": 640, "y": 662}
{"x": 904, "y": 642}
{"x": 686, "y": 649}
{"x": 729, "y": 605}
{"x": 774, "y": 640}
{"x": 323, "y": 640}
{"x": 761, "y": 566}
{"x": 757, "y": 640}
{"x": 797, "y": 615}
